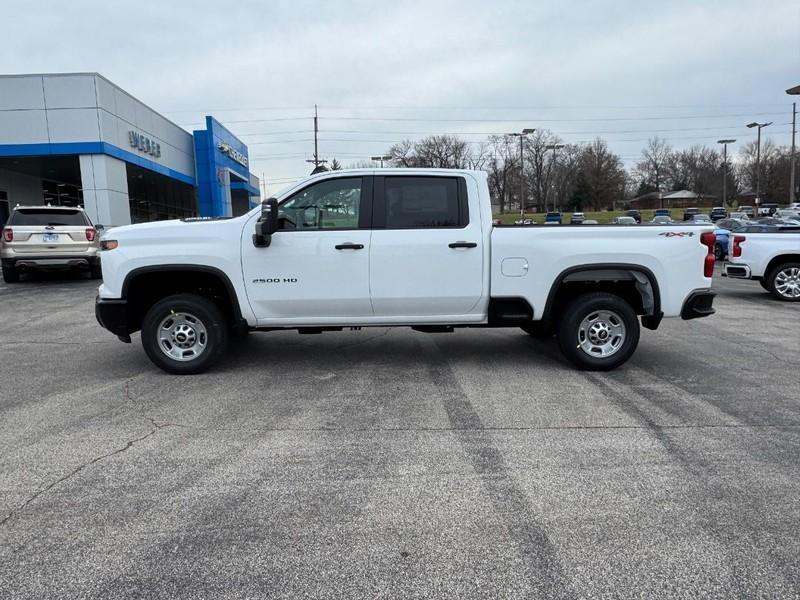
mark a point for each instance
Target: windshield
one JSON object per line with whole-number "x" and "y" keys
{"x": 44, "y": 216}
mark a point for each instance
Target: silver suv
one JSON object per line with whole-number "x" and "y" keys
{"x": 48, "y": 238}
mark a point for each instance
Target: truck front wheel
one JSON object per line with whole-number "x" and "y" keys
{"x": 598, "y": 331}
{"x": 184, "y": 334}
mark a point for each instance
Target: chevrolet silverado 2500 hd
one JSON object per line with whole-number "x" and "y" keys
{"x": 396, "y": 247}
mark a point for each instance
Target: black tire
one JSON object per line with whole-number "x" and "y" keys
{"x": 208, "y": 328}
{"x": 616, "y": 312}
{"x": 10, "y": 274}
{"x": 764, "y": 283}
{"x": 537, "y": 330}
{"x": 719, "y": 252}
{"x": 95, "y": 272}
{"x": 787, "y": 291}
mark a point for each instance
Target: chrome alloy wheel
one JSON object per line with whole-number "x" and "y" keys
{"x": 182, "y": 336}
{"x": 601, "y": 333}
{"x": 787, "y": 282}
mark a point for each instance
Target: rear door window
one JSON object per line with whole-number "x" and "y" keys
{"x": 423, "y": 203}
{"x": 43, "y": 217}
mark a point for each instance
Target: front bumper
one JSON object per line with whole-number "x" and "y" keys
{"x": 698, "y": 304}
{"x": 112, "y": 314}
{"x": 736, "y": 270}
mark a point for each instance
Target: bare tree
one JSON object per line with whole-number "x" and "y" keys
{"x": 654, "y": 160}
{"x": 503, "y": 170}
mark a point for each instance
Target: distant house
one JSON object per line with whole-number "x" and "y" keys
{"x": 679, "y": 199}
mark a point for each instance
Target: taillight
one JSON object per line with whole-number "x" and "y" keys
{"x": 8, "y": 235}
{"x": 709, "y": 240}
{"x": 738, "y": 240}
{"x": 108, "y": 244}
{"x": 91, "y": 234}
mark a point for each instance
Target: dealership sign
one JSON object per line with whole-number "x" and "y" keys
{"x": 233, "y": 153}
{"x": 145, "y": 144}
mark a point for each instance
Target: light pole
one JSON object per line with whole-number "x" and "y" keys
{"x": 795, "y": 91}
{"x": 725, "y": 169}
{"x": 522, "y": 136}
{"x": 553, "y": 147}
{"x": 758, "y": 159}
{"x": 381, "y": 159}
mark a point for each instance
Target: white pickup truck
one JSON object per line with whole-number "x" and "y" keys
{"x": 396, "y": 247}
{"x": 771, "y": 258}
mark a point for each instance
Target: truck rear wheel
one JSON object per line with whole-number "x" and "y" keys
{"x": 184, "y": 334}
{"x": 598, "y": 331}
{"x": 784, "y": 282}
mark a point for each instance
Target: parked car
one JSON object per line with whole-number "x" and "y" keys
{"x": 524, "y": 222}
{"x": 660, "y": 212}
{"x": 768, "y": 209}
{"x": 701, "y": 218}
{"x": 552, "y": 218}
{"x": 787, "y": 213}
{"x": 662, "y": 220}
{"x": 48, "y": 238}
{"x": 191, "y": 286}
{"x": 771, "y": 256}
{"x": 718, "y": 212}
{"x": 624, "y": 221}
{"x": 577, "y": 218}
{"x": 739, "y": 215}
{"x": 637, "y": 216}
{"x": 748, "y": 210}
{"x": 589, "y": 222}
{"x": 689, "y": 213}
{"x": 723, "y": 232}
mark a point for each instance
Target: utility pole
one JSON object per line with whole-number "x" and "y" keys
{"x": 795, "y": 91}
{"x": 553, "y": 147}
{"x": 521, "y": 136}
{"x": 725, "y": 169}
{"x": 758, "y": 160}
{"x": 317, "y": 161}
{"x": 792, "y": 176}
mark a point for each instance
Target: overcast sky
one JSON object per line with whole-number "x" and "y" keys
{"x": 381, "y": 72}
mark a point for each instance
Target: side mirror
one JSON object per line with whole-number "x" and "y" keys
{"x": 267, "y": 223}
{"x": 99, "y": 227}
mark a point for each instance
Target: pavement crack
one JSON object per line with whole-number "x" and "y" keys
{"x": 129, "y": 444}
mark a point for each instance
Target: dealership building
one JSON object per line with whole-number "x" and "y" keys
{"x": 77, "y": 139}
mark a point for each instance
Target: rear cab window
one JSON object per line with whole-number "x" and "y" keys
{"x": 421, "y": 202}
{"x": 43, "y": 217}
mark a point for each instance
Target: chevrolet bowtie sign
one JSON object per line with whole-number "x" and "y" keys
{"x": 233, "y": 153}
{"x": 145, "y": 144}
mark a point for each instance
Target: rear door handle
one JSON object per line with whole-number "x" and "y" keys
{"x": 349, "y": 246}
{"x": 462, "y": 244}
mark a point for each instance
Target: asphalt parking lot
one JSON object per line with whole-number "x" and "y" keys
{"x": 390, "y": 463}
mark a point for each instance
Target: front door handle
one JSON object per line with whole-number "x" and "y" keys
{"x": 462, "y": 244}
{"x": 349, "y": 246}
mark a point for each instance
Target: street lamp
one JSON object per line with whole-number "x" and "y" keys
{"x": 795, "y": 91}
{"x": 758, "y": 159}
{"x": 521, "y": 136}
{"x": 554, "y": 147}
{"x": 381, "y": 159}
{"x": 725, "y": 169}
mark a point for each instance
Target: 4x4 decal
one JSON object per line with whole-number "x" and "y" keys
{"x": 670, "y": 234}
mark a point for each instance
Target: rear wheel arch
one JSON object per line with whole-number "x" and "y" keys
{"x": 145, "y": 286}
{"x": 777, "y": 261}
{"x": 634, "y": 283}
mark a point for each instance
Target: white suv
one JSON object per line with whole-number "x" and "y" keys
{"x": 48, "y": 238}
